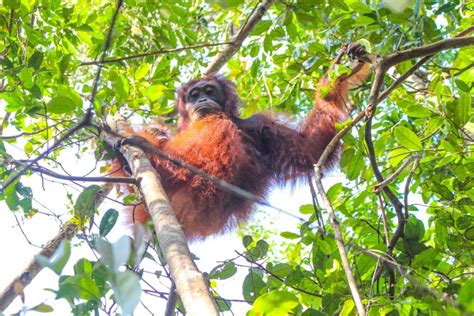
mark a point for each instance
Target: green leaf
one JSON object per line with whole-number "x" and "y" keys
{"x": 26, "y": 76}
{"x": 70, "y": 93}
{"x": 108, "y": 222}
{"x": 347, "y": 308}
{"x": 114, "y": 255}
{"x": 61, "y": 105}
{"x": 155, "y": 92}
{"x": 462, "y": 85}
{"x": 127, "y": 291}
{"x": 355, "y": 166}
{"x": 223, "y": 271}
{"x": 466, "y": 295}
{"x": 11, "y": 198}
{"x": 247, "y": 240}
{"x": 444, "y": 191}
{"x": 123, "y": 87}
{"x": 85, "y": 203}
{"x": 59, "y": 259}
{"x": 252, "y": 286}
{"x": 417, "y": 111}
{"x": 334, "y": 192}
{"x": 307, "y": 209}
{"x": 274, "y": 303}
{"x": 78, "y": 286}
{"x": 426, "y": 258}
{"x": 43, "y": 308}
{"x": 407, "y": 138}
{"x": 261, "y": 27}
{"x": 463, "y": 111}
{"x": 36, "y": 60}
{"x": 289, "y": 235}
{"x": 141, "y": 71}
{"x": 414, "y": 229}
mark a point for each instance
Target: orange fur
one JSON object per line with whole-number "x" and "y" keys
{"x": 251, "y": 154}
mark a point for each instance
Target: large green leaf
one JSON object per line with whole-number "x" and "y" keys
{"x": 407, "y": 138}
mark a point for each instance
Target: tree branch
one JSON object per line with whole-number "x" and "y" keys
{"x": 190, "y": 283}
{"x": 407, "y": 186}
{"x": 27, "y": 133}
{"x": 154, "y": 53}
{"x": 68, "y": 230}
{"x": 147, "y": 147}
{"x": 430, "y": 49}
{"x": 236, "y": 41}
{"x": 56, "y": 175}
{"x": 394, "y": 175}
{"x": 339, "y": 241}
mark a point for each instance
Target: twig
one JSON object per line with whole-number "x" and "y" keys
{"x": 154, "y": 53}
{"x": 339, "y": 242}
{"x": 87, "y": 116}
{"x": 394, "y": 175}
{"x": 171, "y": 302}
{"x": 380, "y": 71}
{"x": 276, "y": 276}
{"x": 405, "y": 273}
{"x": 10, "y": 292}
{"x": 102, "y": 57}
{"x": 28, "y": 133}
{"x": 66, "y": 232}
{"x": 236, "y": 41}
{"x": 4, "y": 122}
{"x": 84, "y": 122}
{"x": 317, "y": 209}
{"x": 53, "y": 174}
{"x": 407, "y": 186}
{"x": 384, "y": 219}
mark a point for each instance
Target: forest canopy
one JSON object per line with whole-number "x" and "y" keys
{"x": 394, "y": 236}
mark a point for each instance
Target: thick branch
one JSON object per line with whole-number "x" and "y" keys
{"x": 236, "y": 41}
{"x": 414, "y": 68}
{"x": 430, "y": 49}
{"x": 190, "y": 283}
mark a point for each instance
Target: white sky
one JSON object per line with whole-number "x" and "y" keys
{"x": 41, "y": 228}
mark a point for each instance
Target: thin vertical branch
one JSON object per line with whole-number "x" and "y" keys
{"x": 384, "y": 219}
{"x": 172, "y": 298}
{"x": 407, "y": 186}
{"x": 339, "y": 242}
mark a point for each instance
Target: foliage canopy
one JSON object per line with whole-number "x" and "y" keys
{"x": 48, "y": 54}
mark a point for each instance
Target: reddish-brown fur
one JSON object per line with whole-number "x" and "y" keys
{"x": 251, "y": 154}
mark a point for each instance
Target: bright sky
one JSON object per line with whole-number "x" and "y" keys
{"x": 42, "y": 228}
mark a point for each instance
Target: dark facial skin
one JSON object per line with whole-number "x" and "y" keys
{"x": 204, "y": 98}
